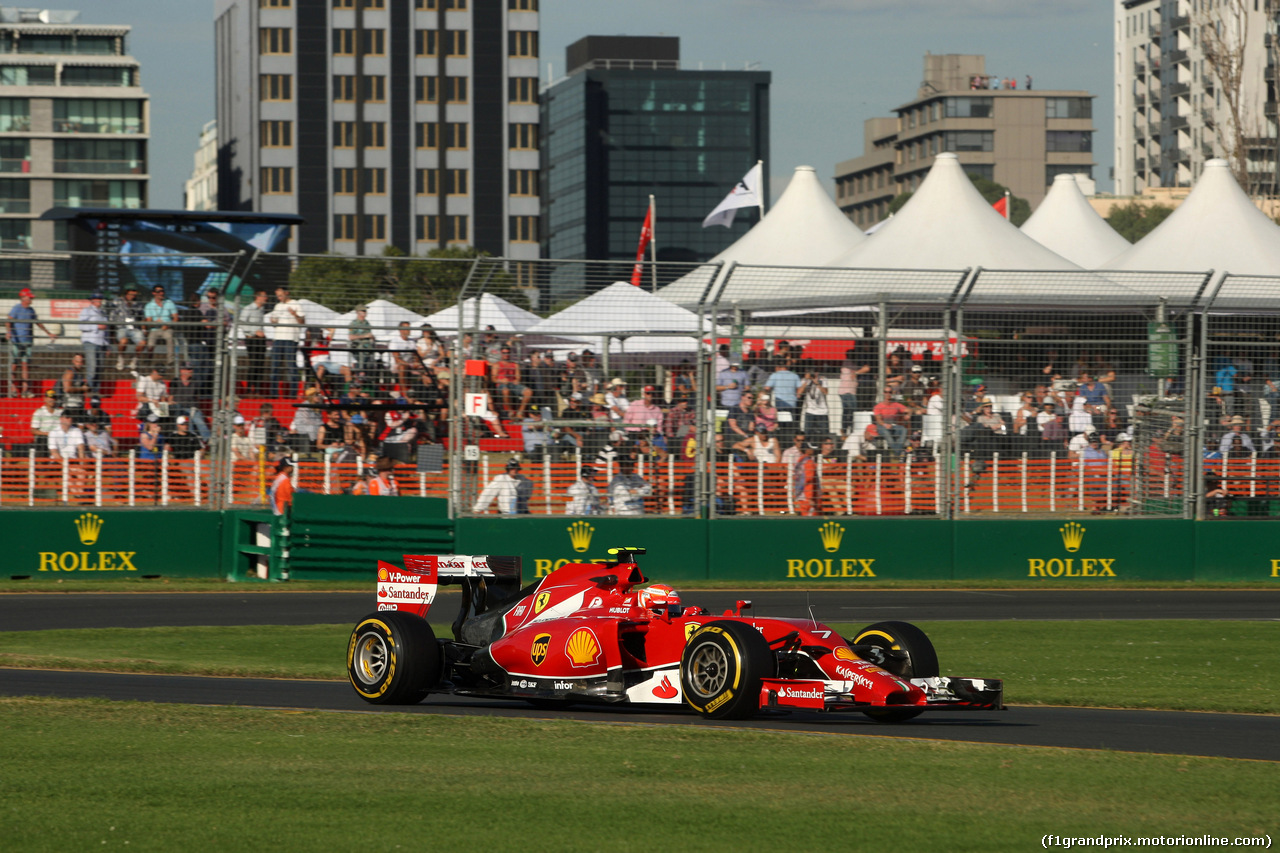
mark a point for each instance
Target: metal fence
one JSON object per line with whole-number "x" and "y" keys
{"x": 561, "y": 387}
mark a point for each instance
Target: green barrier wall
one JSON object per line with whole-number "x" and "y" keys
{"x": 104, "y": 543}
{"x": 1228, "y": 550}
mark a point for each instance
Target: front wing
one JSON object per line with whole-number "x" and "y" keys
{"x": 939, "y": 693}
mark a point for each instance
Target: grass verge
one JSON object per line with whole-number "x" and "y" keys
{"x": 161, "y": 777}
{"x": 1183, "y": 665}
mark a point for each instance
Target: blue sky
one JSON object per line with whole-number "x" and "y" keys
{"x": 835, "y": 63}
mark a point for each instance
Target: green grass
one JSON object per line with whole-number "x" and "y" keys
{"x": 1185, "y": 665}
{"x": 86, "y": 774}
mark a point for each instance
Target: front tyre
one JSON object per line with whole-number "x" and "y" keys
{"x": 722, "y": 667}
{"x": 393, "y": 658}
{"x": 921, "y": 662}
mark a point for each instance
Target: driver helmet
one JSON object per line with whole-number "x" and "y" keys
{"x": 656, "y": 596}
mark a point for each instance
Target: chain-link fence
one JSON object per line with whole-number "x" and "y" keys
{"x": 562, "y": 387}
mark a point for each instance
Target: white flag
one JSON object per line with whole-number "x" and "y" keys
{"x": 745, "y": 194}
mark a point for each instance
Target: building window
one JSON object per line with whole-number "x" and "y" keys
{"x": 344, "y": 226}
{"x": 523, "y": 229}
{"x": 373, "y": 4}
{"x": 424, "y": 5}
{"x": 76, "y": 75}
{"x": 75, "y": 115}
{"x": 375, "y": 42}
{"x": 344, "y": 181}
{"x": 426, "y": 90}
{"x": 456, "y": 87}
{"x": 344, "y": 42}
{"x": 522, "y": 182}
{"x": 428, "y": 135}
{"x": 276, "y": 180}
{"x": 373, "y": 134}
{"x": 373, "y": 87}
{"x": 455, "y": 42}
{"x": 522, "y": 5}
{"x": 15, "y": 115}
{"x": 1053, "y": 170}
{"x": 344, "y": 87}
{"x": 275, "y": 41}
{"x": 373, "y": 226}
{"x": 425, "y": 42}
{"x": 344, "y": 134}
{"x": 522, "y": 90}
{"x": 522, "y": 136}
{"x": 276, "y": 134}
{"x": 275, "y": 4}
{"x": 275, "y": 87}
{"x": 15, "y": 234}
{"x": 15, "y": 196}
{"x": 455, "y": 135}
{"x": 344, "y": 4}
{"x": 968, "y": 140}
{"x": 986, "y": 171}
{"x": 1068, "y": 140}
{"x": 522, "y": 43}
{"x": 1068, "y": 108}
{"x": 15, "y": 154}
{"x": 427, "y": 229}
{"x": 455, "y": 181}
{"x": 373, "y": 181}
{"x": 455, "y": 229}
{"x": 968, "y": 107}
{"x": 28, "y": 75}
{"x": 90, "y": 193}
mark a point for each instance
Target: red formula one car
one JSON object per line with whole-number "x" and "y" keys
{"x": 587, "y": 632}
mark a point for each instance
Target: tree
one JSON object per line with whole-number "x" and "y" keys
{"x": 1224, "y": 38}
{"x": 1133, "y": 221}
{"x": 1019, "y": 208}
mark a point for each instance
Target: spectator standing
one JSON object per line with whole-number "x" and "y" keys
{"x": 506, "y": 378}
{"x": 616, "y": 401}
{"x": 592, "y": 371}
{"x": 1235, "y": 431}
{"x": 243, "y": 447}
{"x": 187, "y": 399}
{"x": 584, "y": 497}
{"x": 153, "y": 395}
{"x": 741, "y": 422}
{"x": 1025, "y": 418}
{"x": 847, "y": 388}
{"x": 784, "y": 384}
{"x": 44, "y": 420}
{"x": 511, "y": 489}
{"x": 184, "y": 444}
{"x": 804, "y": 481}
{"x": 93, "y": 337}
{"x": 574, "y": 379}
{"x": 403, "y": 351}
{"x": 542, "y": 380}
{"x": 22, "y": 339}
{"x": 361, "y": 340}
{"x": 151, "y": 441}
{"x": 534, "y": 433}
{"x": 644, "y": 414}
{"x": 307, "y": 419}
{"x": 252, "y": 322}
{"x": 627, "y": 489}
{"x": 74, "y": 385}
{"x": 127, "y": 315}
{"x": 280, "y": 494}
{"x": 678, "y": 423}
{"x": 160, "y": 315}
{"x": 813, "y": 391}
{"x": 760, "y": 447}
{"x": 287, "y": 321}
{"x": 204, "y": 336}
{"x": 766, "y": 414}
{"x": 731, "y": 383}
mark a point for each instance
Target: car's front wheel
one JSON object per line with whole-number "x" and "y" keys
{"x": 721, "y": 669}
{"x": 920, "y": 661}
{"x": 393, "y": 658}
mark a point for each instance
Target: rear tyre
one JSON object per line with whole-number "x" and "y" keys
{"x": 393, "y": 658}
{"x": 721, "y": 669}
{"x": 922, "y": 663}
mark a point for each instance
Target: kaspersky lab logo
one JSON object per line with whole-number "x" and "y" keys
{"x": 831, "y": 535}
{"x": 1072, "y": 534}
{"x": 88, "y": 528}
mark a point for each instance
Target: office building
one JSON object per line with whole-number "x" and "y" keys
{"x": 628, "y": 122}
{"x": 405, "y": 123}
{"x": 1019, "y": 137}
{"x": 74, "y": 126}
{"x": 201, "y": 189}
{"x": 1172, "y": 109}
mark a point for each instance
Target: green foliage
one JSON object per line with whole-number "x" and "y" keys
{"x": 1133, "y": 221}
{"x": 1019, "y": 207}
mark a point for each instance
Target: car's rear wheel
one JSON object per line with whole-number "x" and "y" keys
{"x": 921, "y": 661}
{"x": 721, "y": 669}
{"x": 393, "y": 658}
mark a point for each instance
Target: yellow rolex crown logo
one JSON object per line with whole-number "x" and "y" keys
{"x": 580, "y": 535}
{"x": 88, "y": 526}
{"x": 832, "y": 533}
{"x": 1072, "y": 536}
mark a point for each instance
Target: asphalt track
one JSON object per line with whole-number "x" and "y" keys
{"x": 1183, "y": 733}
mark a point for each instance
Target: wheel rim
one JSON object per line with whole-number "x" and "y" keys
{"x": 370, "y": 660}
{"x": 708, "y": 670}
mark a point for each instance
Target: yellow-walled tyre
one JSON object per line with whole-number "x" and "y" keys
{"x": 923, "y": 663}
{"x": 721, "y": 669}
{"x": 393, "y": 658}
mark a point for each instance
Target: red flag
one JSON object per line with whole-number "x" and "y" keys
{"x": 646, "y": 234}
{"x": 1002, "y": 207}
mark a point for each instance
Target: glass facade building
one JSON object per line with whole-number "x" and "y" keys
{"x": 613, "y": 137}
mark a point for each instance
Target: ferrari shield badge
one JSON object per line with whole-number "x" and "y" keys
{"x": 540, "y": 603}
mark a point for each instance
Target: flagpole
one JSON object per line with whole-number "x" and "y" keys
{"x": 760, "y": 163}
{"x": 1006, "y": 205}
{"x": 653, "y": 241}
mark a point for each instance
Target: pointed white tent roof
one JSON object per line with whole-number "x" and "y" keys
{"x": 621, "y": 309}
{"x": 1216, "y": 228}
{"x": 947, "y": 224}
{"x": 494, "y": 311}
{"x": 383, "y": 317}
{"x": 1066, "y": 224}
{"x": 805, "y": 228}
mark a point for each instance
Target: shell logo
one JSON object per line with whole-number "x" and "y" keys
{"x": 382, "y": 574}
{"x": 845, "y": 653}
{"x": 582, "y": 647}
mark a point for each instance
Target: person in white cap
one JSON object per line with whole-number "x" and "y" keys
{"x": 243, "y": 447}
{"x": 1235, "y": 429}
{"x": 510, "y": 489}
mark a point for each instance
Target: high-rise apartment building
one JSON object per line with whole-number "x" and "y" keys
{"x": 201, "y": 189}
{"x": 1001, "y": 129}
{"x": 406, "y": 123}
{"x": 626, "y": 123}
{"x": 1195, "y": 80}
{"x": 73, "y": 125}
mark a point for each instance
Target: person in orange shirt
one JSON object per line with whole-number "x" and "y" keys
{"x": 280, "y": 495}
{"x": 385, "y": 483}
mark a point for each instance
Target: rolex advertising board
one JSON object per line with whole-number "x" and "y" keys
{"x": 103, "y": 544}
{"x": 1232, "y": 550}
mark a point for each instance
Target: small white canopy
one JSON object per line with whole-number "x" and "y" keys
{"x": 1216, "y": 228}
{"x": 494, "y": 311}
{"x": 1066, "y": 224}
{"x": 319, "y": 315}
{"x": 804, "y": 229}
{"x": 384, "y": 317}
{"x": 619, "y": 310}
{"x": 947, "y": 224}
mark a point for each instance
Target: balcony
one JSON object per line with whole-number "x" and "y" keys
{"x": 1153, "y": 129}
{"x": 15, "y": 164}
{"x": 83, "y": 126}
{"x": 1207, "y": 150}
{"x": 1140, "y": 164}
{"x": 1206, "y": 116}
{"x": 1153, "y": 32}
{"x": 1177, "y": 89}
{"x": 20, "y": 241}
{"x": 1269, "y": 109}
{"x": 15, "y": 205}
{"x": 1181, "y": 22}
{"x": 98, "y": 167}
{"x": 1175, "y": 56}
{"x": 1139, "y": 67}
{"x": 1139, "y": 100}
{"x": 15, "y": 124}
{"x": 1176, "y": 122}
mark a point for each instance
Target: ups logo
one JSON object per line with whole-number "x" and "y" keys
{"x": 538, "y": 651}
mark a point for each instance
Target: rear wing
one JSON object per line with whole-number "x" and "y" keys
{"x": 413, "y": 588}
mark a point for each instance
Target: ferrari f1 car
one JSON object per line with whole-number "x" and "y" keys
{"x": 589, "y": 632}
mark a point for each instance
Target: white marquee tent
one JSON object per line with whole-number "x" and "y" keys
{"x": 1066, "y": 224}
{"x": 494, "y": 311}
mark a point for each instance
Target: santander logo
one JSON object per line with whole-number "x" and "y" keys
{"x": 665, "y": 690}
